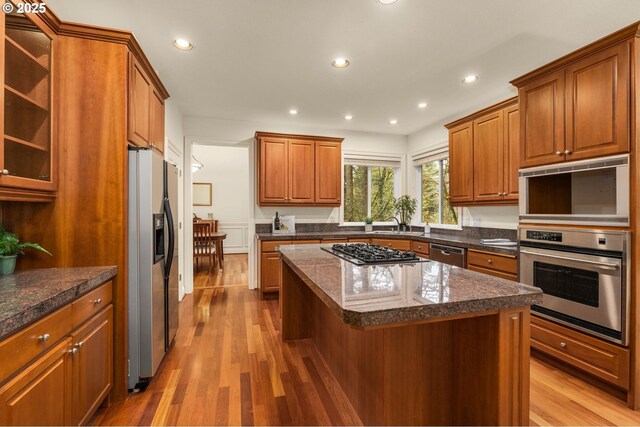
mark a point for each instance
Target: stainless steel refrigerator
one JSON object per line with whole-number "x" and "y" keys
{"x": 153, "y": 262}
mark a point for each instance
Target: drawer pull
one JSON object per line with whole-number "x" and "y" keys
{"x": 80, "y": 344}
{"x": 44, "y": 338}
{"x": 490, "y": 261}
{"x": 97, "y": 301}
{"x": 563, "y": 344}
{"x": 73, "y": 351}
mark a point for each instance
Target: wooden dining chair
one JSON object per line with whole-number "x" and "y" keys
{"x": 203, "y": 246}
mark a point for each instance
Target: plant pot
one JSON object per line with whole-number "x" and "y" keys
{"x": 8, "y": 264}
{"x": 368, "y": 228}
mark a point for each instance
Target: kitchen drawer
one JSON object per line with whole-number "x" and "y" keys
{"x": 305, "y": 242}
{"x": 492, "y": 261}
{"x": 271, "y": 246}
{"x": 420, "y": 247}
{"x": 399, "y": 245}
{"x": 359, "y": 240}
{"x": 22, "y": 347}
{"x": 602, "y": 359}
{"x": 336, "y": 240}
{"x": 492, "y": 272}
{"x": 90, "y": 304}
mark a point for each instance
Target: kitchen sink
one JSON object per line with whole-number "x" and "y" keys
{"x": 401, "y": 233}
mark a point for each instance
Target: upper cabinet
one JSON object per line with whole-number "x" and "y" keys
{"x": 578, "y": 107}
{"x": 298, "y": 170}
{"x": 146, "y": 109}
{"x": 28, "y": 160}
{"x": 483, "y": 156}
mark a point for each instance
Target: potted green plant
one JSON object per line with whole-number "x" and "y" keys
{"x": 405, "y": 207}
{"x": 10, "y": 248}
{"x": 368, "y": 224}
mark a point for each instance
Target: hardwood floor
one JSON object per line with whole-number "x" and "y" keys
{"x": 234, "y": 273}
{"x": 228, "y": 366}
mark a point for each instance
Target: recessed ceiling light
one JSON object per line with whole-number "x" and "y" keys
{"x": 293, "y": 111}
{"x": 348, "y": 117}
{"x": 422, "y": 105}
{"x": 470, "y": 79}
{"x": 393, "y": 121}
{"x": 340, "y": 62}
{"x": 387, "y": 1}
{"x": 182, "y": 44}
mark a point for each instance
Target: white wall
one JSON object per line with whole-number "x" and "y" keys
{"x": 233, "y": 131}
{"x": 174, "y": 152}
{"x": 227, "y": 169}
{"x": 481, "y": 216}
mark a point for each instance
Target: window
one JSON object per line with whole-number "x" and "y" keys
{"x": 432, "y": 170}
{"x": 370, "y": 189}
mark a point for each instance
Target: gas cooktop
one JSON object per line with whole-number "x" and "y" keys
{"x": 365, "y": 254}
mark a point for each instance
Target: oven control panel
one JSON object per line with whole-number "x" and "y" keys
{"x": 548, "y": 236}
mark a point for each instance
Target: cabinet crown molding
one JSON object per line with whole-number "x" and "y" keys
{"x": 627, "y": 33}
{"x": 488, "y": 110}
{"x": 260, "y": 134}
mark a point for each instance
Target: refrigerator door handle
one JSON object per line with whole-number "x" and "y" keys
{"x": 170, "y": 249}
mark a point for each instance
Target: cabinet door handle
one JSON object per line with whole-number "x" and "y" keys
{"x": 97, "y": 301}
{"x": 4, "y": 172}
{"x": 558, "y": 153}
{"x": 567, "y": 151}
{"x": 563, "y": 344}
{"x": 44, "y": 337}
{"x": 73, "y": 351}
{"x": 490, "y": 261}
{"x": 79, "y": 344}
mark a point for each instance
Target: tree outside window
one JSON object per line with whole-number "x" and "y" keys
{"x": 435, "y": 193}
{"x": 369, "y": 191}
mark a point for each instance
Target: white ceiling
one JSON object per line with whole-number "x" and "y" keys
{"x": 256, "y": 59}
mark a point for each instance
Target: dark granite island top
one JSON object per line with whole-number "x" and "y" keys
{"x": 413, "y": 344}
{"x": 29, "y": 295}
{"x": 385, "y": 294}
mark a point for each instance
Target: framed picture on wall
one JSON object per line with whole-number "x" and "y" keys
{"x": 202, "y": 194}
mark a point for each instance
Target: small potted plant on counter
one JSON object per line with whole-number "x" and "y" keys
{"x": 405, "y": 207}
{"x": 10, "y": 248}
{"x": 368, "y": 224}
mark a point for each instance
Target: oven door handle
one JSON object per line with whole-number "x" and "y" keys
{"x": 603, "y": 265}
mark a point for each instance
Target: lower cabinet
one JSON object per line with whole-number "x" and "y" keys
{"x": 399, "y": 245}
{"x": 92, "y": 365}
{"x": 602, "y": 359}
{"x": 270, "y": 272}
{"x": 65, "y": 383}
{"x": 41, "y": 393}
{"x": 504, "y": 266}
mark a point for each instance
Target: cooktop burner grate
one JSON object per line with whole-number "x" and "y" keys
{"x": 364, "y": 254}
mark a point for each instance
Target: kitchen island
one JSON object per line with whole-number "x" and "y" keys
{"x": 413, "y": 344}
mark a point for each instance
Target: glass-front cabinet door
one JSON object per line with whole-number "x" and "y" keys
{"x": 27, "y": 155}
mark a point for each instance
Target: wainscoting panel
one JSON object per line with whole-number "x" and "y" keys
{"x": 237, "y": 241}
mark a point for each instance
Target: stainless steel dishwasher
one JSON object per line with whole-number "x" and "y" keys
{"x": 448, "y": 255}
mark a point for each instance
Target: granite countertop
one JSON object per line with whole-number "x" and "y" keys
{"x": 29, "y": 295}
{"x": 386, "y": 294}
{"x": 445, "y": 239}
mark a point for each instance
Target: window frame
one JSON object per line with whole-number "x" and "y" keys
{"x": 438, "y": 153}
{"x": 362, "y": 158}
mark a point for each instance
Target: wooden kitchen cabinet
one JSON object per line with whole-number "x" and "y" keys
{"x": 398, "y": 245}
{"x": 41, "y": 394}
{"x": 328, "y": 174}
{"x": 499, "y": 265}
{"x": 92, "y": 365}
{"x": 578, "y": 106}
{"x": 298, "y": 170}
{"x": 270, "y": 272}
{"x": 28, "y": 162}
{"x": 488, "y": 157}
{"x": 146, "y": 109}
{"x": 461, "y": 163}
{"x": 60, "y": 369}
{"x": 483, "y": 156}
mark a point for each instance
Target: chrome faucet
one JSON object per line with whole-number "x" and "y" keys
{"x": 397, "y": 222}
